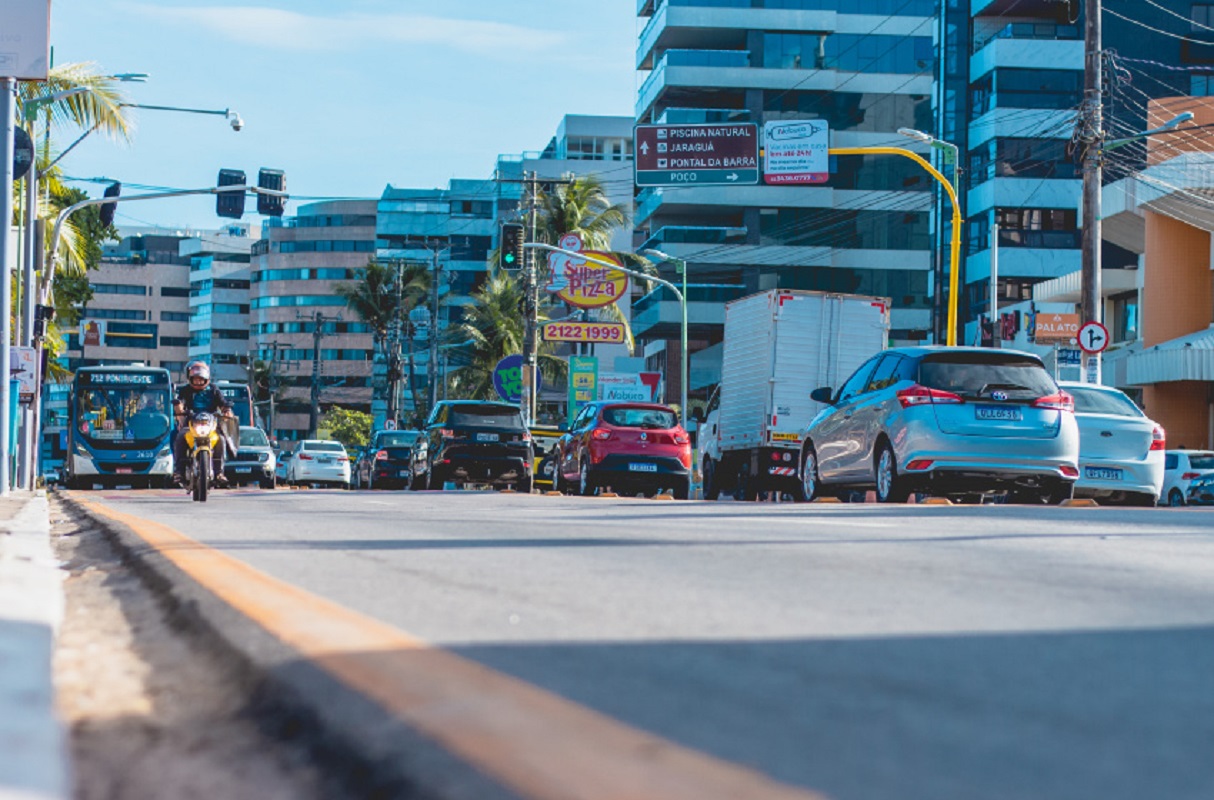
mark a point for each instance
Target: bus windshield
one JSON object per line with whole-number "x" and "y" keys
{"x": 241, "y": 400}
{"x": 123, "y": 414}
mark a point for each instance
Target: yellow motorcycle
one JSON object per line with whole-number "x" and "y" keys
{"x": 202, "y": 437}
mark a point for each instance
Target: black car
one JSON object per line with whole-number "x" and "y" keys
{"x": 393, "y": 460}
{"x": 478, "y": 442}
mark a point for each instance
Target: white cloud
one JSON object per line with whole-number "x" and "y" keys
{"x": 288, "y": 30}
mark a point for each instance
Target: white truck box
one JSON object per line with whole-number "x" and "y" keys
{"x": 780, "y": 345}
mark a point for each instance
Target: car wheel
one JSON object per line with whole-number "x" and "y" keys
{"x": 585, "y": 482}
{"x": 1140, "y": 499}
{"x": 267, "y": 483}
{"x": 557, "y": 484}
{"x": 417, "y": 482}
{"x": 708, "y": 474}
{"x": 523, "y": 486}
{"x": 891, "y": 488}
{"x": 1176, "y": 498}
{"x": 808, "y": 488}
{"x": 682, "y": 490}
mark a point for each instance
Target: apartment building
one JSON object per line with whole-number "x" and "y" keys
{"x": 317, "y": 349}
{"x": 864, "y": 68}
{"x": 219, "y": 303}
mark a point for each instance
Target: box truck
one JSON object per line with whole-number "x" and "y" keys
{"x": 779, "y": 346}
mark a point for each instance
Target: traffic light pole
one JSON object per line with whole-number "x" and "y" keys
{"x": 531, "y": 304}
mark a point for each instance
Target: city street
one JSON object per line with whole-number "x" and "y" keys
{"x": 856, "y": 651}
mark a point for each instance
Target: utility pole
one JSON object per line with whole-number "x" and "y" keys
{"x": 272, "y": 380}
{"x": 996, "y": 337}
{"x": 432, "y": 366}
{"x": 531, "y": 305}
{"x": 1091, "y": 136}
{"x": 318, "y": 333}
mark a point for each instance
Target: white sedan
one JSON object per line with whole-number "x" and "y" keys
{"x": 1121, "y": 450}
{"x": 319, "y": 461}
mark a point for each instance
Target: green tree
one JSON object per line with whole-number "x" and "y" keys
{"x": 351, "y": 428}
{"x": 384, "y": 295}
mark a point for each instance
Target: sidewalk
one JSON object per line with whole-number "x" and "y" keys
{"x": 33, "y": 755}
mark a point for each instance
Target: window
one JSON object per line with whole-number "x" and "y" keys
{"x": 857, "y": 382}
{"x": 117, "y": 288}
{"x": 886, "y": 373}
{"x": 1103, "y": 401}
{"x": 114, "y": 313}
{"x": 173, "y": 291}
{"x": 1202, "y": 15}
{"x": 175, "y": 341}
{"x": 174, "y": 316}
{"x": 1049, "y": 228}
{"x": 1125, "y": 317}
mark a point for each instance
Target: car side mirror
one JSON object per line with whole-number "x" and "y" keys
{"x": 823, "y": 394}
{"x": 697, "y": 414}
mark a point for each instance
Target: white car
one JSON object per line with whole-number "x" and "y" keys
{"x": 1180, "y": 469}
{"x": 319, "y": 461}
{"x": 1121, "y": 450}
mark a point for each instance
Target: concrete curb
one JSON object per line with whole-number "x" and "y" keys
{"x": 361, "y": 746}
{"x": 33, "y": 750}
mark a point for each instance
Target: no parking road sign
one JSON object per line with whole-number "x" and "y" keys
{"x": 1093, "y": 337}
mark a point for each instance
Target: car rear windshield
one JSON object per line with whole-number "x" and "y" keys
{"x": 628, "y": 417}
{"x": 328, "y": 447}
{"x": 1097, "y": 401}
{"x": 487, "y": 416}
{"x": 972, "y": 374}
{"x": 253, "y": 437}
{"x": 401, "y": 439}
{"x": 1201, "y": 462}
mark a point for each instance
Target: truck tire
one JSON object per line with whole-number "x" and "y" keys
{"x": 708, "y": 474}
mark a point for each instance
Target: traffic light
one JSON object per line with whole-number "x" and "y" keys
{"x": 510, "y": 251}
{"x": 107, "y": 209}
{"x": 267, "y": 204}
{"x": 230, "y": 204}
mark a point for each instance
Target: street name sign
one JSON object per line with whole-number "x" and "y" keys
{"x": 697, "y": 155}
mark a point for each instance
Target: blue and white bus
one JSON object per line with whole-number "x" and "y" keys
{"x": 119, "y": 431}
{"x": 241, "y": 398}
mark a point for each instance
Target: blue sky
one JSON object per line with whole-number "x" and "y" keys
{"x": 347, "y": 96}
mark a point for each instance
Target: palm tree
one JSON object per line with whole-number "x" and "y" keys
{"x": 493, "y": 328}
{"x": 383, "y": 298}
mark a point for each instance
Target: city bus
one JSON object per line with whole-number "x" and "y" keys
{"x": 241, "y": 398}
{"x": 119, "y": 428}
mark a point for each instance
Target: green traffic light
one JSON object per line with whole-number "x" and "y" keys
{"x": 509, "y": 258}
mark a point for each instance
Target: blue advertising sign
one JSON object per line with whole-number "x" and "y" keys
{"x": 508, "y": 379}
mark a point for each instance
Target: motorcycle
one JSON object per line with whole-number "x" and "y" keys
{"x": 202, "y": 436}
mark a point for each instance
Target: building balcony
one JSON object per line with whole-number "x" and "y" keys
{"x": 1023, "y": 262}
{"x": 1027, "y": 53}
{"x": 1028, "y": 123}
{"x": 680, "y": 24}
{"x": 658, "y": 315}
{"x": 1018, "y": 192}
{"x": 692, "y": 234}
{"x": 720, "y": 200}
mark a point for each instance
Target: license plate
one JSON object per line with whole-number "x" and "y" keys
{"x": 1102, "y": 473}
{"x": 244, "y": 469}
{"x": 124, "y": 470}
{"x": 1002, "y": 413}
{"x": 486, "y": 437}
{"x": 642, "y": 467}
{"x": 404, "y": 473}
{"x": 324, "y": 461}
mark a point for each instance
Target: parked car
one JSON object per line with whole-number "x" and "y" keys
{"x": 392, "y": 460}
{"x": 1201, "y": 490}
{"x": 319, "y": 461}
{"x": 631, "y": 447}
{"x": 949, "y": 421}
{"x": 254, "y": 460}
{"x": 543, "y": 441}
{"x": 478, "y": 442}
{"x": 1121, "y": 450}
{"x": 1180, "y": 469}
{"x": 282, "y": 459}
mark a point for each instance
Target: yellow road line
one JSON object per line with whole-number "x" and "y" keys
{"x": 539, "y": 744}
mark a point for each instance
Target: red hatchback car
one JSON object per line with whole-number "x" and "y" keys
{"x": 631, "y": 447}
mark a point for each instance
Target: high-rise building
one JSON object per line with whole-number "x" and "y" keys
{"x": 316, "y": 350}
{"x": 219, "y": 303}
{"x": 866, "y": 69}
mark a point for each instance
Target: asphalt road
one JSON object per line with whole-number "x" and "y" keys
{"x": 865, "y": 652}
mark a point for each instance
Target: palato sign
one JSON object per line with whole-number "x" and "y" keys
{"x": 585, "y": 284}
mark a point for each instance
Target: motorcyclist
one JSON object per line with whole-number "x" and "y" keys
{"x": 197, "y": 396}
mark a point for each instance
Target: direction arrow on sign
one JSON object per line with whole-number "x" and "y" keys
{"x": 697, "y": 155}
{"x": 1093, "y": 337}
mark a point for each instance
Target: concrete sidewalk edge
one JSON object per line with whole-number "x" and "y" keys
{"x": 33, "y": 748}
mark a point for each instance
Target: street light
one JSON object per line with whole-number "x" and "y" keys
{"x": 954, "y": 152}
{"x": 681, "y": 264}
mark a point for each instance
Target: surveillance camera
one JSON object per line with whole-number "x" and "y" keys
{"x": 236, "y": 122}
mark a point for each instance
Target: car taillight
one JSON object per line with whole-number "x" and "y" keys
{"x": 682, "y": 438}
{"x": 918, "y": 395}
{"x": 1158, "y": 438}
{"x": 1188, "y": 476}
{"x": 382, "y": 455}
{"x": 341, "y": 459}
{"x": 600, "y": 434}
{"x": 1062, "y": 401}
{"x": 305, "y": 457}
{"x": 1069, "y": 472}
{"x": 446, "y": 433}
{"x": 526, "y": 436}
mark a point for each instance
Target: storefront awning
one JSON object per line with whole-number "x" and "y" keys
{"x": 1188, "y": 358}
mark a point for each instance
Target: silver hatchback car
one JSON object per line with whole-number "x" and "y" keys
{"x": 947, "y": 421}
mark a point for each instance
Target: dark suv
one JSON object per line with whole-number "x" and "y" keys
{"x": 478, "y": 442}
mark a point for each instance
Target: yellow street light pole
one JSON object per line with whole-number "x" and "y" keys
{"x": 955, "y": 255}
